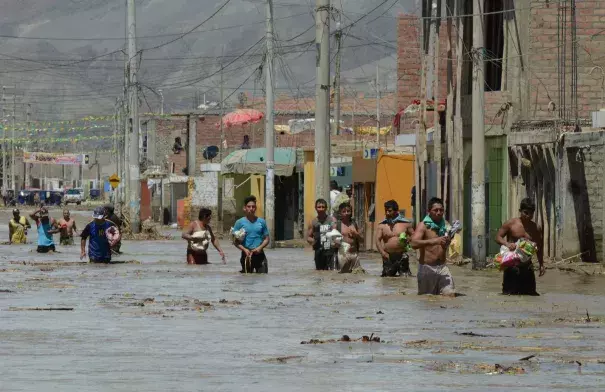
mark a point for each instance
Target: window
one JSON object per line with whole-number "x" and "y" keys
{"x": 493, "y": 30}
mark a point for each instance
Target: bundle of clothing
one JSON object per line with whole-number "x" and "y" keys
{"x": 522, "y": 254}
{"x": 238, "y": 235}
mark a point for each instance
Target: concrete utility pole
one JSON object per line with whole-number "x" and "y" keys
{"x": 26, "y": 182}
{"x": 449, "y": 112}
{"x": 436, "y": 125}
{"x": 421, "y": 152}
{"x": 13, "y": 185}
{"x": 270, "y": 131}
{"x": 191, "y": 144}
{"x": 220, "y": 148}
{"x": 478, "y": 143}
{"x": 4, "y": 146}
{"x": 457, "y": 156}
{"x": 322, "y": 100}
{"x": 162, "y": 102}
{"x": 377, "y": 108}
{"x": 338, "y": 37}
{"x": 134, "y": 199}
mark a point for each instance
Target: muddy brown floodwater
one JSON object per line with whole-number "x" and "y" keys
{"x": 152, "y": 323}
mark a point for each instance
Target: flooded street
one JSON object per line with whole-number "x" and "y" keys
{"x": 153, "y": 323}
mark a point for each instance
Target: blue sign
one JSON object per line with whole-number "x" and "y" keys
{"x": 370, "y": 153}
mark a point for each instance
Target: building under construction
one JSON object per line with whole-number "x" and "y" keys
{"x": 536, "y": 69}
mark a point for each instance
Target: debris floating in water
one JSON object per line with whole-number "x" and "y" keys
{"x": 345, "y": 338}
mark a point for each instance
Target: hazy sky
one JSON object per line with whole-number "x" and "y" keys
{"x": 65, "y": 57}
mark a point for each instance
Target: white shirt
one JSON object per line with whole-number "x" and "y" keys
{"x": 333, "y": 195}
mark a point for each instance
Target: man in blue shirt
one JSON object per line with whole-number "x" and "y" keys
{"x": 98, "y": 232}
{"x": 46, "y": 228}
{"x": 256, "y": 239}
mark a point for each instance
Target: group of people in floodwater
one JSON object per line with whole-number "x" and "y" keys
{"x": 102, "y": 234}
{"x": 396, "y": 237}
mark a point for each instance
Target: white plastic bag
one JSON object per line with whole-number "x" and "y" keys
{"x": 201, "y": 245}
{"x": 238, "y": 235}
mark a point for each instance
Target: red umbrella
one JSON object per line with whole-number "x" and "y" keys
{"x": 242, "y": 117}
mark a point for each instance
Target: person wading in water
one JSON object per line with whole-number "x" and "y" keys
{"x": 198, "y": 236}
{"x": 434, "y": 277}
{"x": 67, "y": 227}
{"x": 316, "y": 236}
{"x": 253, "y": 257}
{"x": 98, "y": 233}
{"x": 46, "y": 226}
{"x": 394, "y": 257}
{"x": 521, "y": 279}
{"x": 349, "y": 260}
{"x": 17, "y": 228}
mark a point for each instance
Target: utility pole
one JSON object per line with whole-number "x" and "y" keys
{"x": 270, "y": 131}
{"x": 162, "y": 102}
{"x": 220, "y": 149}
{"x": 134, "y": 199}
{"x": 458, "y": 168}
{"x": 4, "y": 146}
{"x": 478, "y": 142}
{"x": 436, "y": 123}
{"x": 26, "y": 182}
{"x": 13, "y": 186}
{"x": 322, "y": 99}
{"x": 377, "y": 108}
{"x": 449, "y": 121}
{"x": 338, "y": 37}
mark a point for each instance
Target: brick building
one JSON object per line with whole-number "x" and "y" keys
{"x": 161, "y": 133}
{"x": 542, "y": 81}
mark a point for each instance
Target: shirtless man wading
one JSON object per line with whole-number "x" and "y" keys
{"x": 67, "y": 227}
{"x": 521, "y": 280}
{"x": 431, "y": 238}
{"x": 394, "y": 258}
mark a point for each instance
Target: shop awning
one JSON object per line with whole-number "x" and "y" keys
{"x": 253, "y": 161}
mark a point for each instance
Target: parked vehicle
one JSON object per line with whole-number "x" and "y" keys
{"x": 95, "y": 194}
{"x": 74, "y": 196}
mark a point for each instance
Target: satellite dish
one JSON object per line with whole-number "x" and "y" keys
{"x": 210, "y": 152}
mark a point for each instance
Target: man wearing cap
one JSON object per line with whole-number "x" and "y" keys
{"x": 101, "y": 234}
{"x": 46, "y": 227}
{"x": 17, "y": 228}
{"x": 68, "y": 228}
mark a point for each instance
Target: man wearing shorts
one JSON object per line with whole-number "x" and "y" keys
{"x": 431, "y": 238}
{"x": 256, "y": 239}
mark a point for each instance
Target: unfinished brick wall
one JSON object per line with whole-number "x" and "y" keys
{"x": 543, "y": 61}
{"x": 409, "y": 62}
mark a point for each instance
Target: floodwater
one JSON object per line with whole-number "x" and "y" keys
{"x": 153, "y": 323}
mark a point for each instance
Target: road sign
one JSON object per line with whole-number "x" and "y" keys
{"x": 370, "y": 153}
{"x": 114, "y": 181}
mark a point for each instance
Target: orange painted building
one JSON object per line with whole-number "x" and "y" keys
{"x": 394, "y": 181}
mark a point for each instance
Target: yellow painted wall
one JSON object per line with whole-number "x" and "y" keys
{"x": 241, "y": 190}
{"x": 257, "y": 188}
{"x": 394, "y": 181}
{"x": 309, "y": 184}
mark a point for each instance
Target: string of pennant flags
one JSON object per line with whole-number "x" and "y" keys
{"x": 87, "y": 119}
{"x": 38, "y": 124}
{"x": 73, "y": 139}
{"x": 35, "y": 131}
